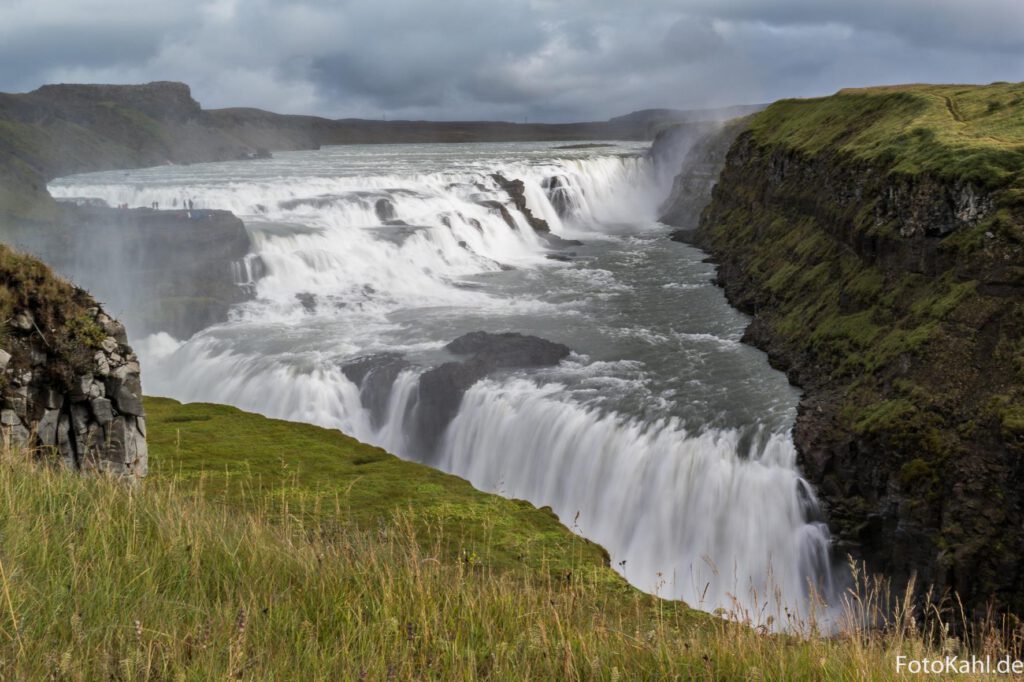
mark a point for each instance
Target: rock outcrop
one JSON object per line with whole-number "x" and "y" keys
{"x": 441, "y": 388}
{"x": 517, "y": 193}
{"x": 375, "y": 376}
{"x": 70, "y": 383}
{"x": 172, "y": 270}
{"x": 881, "y": 267}
{"x": 702, "y": 155}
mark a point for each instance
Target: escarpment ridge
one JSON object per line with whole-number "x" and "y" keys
{"x": 876, "y": 236}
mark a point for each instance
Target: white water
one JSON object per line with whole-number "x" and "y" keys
{"x": 662, "y": 438}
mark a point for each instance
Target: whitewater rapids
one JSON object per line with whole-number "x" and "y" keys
{"x": 661, "y": 438}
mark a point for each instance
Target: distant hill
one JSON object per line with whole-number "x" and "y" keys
{"x": 662, "y": 117}
{"x": 63, "y": 129}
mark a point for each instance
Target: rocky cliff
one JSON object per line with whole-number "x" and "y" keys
{"x": 168, "y": 271}
{"x": 700, "y": 150}
{"x": 876, "y": 237}
{"x": 70, "y": 382}
{"x": 173, "y": 271}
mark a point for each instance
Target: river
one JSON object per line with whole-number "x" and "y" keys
{"x": 662, "y": 437}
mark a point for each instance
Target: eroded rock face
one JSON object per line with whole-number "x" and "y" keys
{"x": 918, "y": 469}
{"x": 702, "y": 154}
{"x": 170, "y": 270}
{"x": 517, "y": 193}
{"x": 927, "y": 207}
{"x": 441, "y": 388}
{"x": 78, "y": 404}
{"x": 375, "y": 375}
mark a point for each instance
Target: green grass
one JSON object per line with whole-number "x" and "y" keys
{"x": 950, "y": 131}
{"x": 219, "y": 566}
{"x": 313, "y": 473}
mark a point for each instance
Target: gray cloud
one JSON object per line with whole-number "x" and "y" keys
{"x": 542, "y": 59}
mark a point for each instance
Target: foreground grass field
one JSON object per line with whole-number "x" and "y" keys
{"x": 265, "y": 550}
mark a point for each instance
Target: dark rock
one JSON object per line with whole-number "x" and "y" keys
{"x": 509, "y": 349}
{"x": 498, "y": 208}
{"x": 441, "y": 388}
{"x": 684, "y": 236}
{"x": 517, "y": 193}
{"x": 556, "y": 242}
{"x": 307, "y": 300}
{"x": 385, "y": 210}
{"x": 375, "y": 375}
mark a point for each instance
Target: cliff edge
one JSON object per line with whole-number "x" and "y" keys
{"x": 876, "y": 236}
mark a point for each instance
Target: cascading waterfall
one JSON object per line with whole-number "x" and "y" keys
{"x": 661, "y": 438}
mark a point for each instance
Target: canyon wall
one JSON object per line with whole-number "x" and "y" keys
{"x": 876, "y": 239}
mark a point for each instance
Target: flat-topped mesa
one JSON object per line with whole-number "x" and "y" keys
{"x": 70, "y": 383}
{"x": 161, "y": 100}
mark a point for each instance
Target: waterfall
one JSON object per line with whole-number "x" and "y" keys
{"x": 363, "y": 251}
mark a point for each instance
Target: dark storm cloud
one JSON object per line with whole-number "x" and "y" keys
{"x": 542, "y": 59}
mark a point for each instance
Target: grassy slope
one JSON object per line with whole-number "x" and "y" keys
{"x": 923, "y": 368}
{"x": 316, "y": 474}
{"x": 953, "y": 131}
{"x": 201, "y": 574}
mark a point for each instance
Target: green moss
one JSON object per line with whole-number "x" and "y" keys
{"x": 886, "y": 415}
{"x": 1011, "y": 418}
{"x": 82, "y": 329}
{"x": 944, "y": 296}
{"x": 865, "y": 284}
{"x": 915, "y": 472}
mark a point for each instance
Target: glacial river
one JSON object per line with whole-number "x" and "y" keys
{"x": 662, "y": 437}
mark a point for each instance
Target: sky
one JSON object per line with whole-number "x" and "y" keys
{"x": 541, "y": 60}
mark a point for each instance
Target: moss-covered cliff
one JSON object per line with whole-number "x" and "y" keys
{"x": 876, "y": 236}
{"x": 69, "y": 383}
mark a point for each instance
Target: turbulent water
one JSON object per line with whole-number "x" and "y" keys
{"x": 662, "y": 437}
